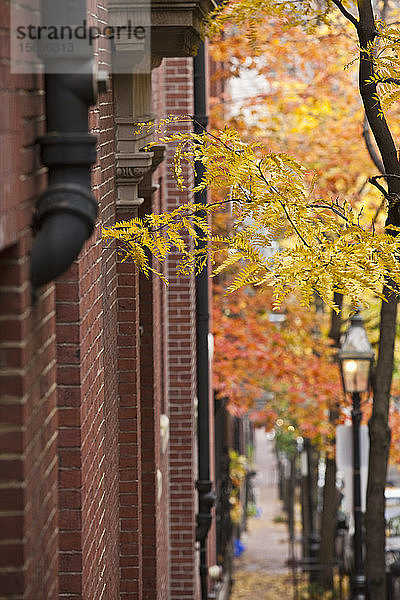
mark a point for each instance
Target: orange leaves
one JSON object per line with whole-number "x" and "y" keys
{"x": 273, "y": 370}
{"x": 394, "y": 423}
{"x": 296, "y": 95}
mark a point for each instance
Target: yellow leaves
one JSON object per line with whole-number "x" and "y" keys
{"x": 324, "y": 245}
{"x": 247, "y": 14}
{"x": 158, "y": 235}
{"x": 259, "y": 584}
{"x": 310, "y": 114}
{"x": 384, "y": 53}
{"x": 237, "y": 474}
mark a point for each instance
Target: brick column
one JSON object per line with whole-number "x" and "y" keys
{"x": 129, "y": 436}
{"x": 154, "y": 465}
{"x": 178, "y": 98}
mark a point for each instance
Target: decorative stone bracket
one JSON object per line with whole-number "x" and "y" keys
{"x": 131, "y": 168}
{"x": 174, "y": 31}
{"x": 176, "y": 26}
{"x": 131, "y": 164}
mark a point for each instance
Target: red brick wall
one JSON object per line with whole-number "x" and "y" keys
{"x": 155, "y": 549}
{"x": 88, "y": 389}
{"x": 28, "y": 465}
{"x": 88, "y": 399}
{"x": 129, "y": 437}
{"x": 174, "y": 79}
{"x": 85, "y": 455}
{"x": 28, "y": 415}
{"x": 21, "y": 121}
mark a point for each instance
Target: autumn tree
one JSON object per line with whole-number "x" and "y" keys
{"x": 291, "y": 87}
{"x": 368, "y": 36}
{"x": 254, "y": 356}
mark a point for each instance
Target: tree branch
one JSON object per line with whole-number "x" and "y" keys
{"x": 366, "y": 34}
{"x": 373, "y": 181}
{"x": 274, "y": 189}
{"x": 388, "y": 195}
{"x": 376, "y": 159}
{"x": 333, "y": 209}
{"x": 389, "y": 80}
{"x": 346, "y": 13}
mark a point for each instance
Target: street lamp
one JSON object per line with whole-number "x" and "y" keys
{"x": 355, "y": 358}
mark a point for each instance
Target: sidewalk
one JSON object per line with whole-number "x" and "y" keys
{"x": 261, "y": 573}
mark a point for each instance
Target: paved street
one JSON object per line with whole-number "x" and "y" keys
{"x": 267, "y": 547}
{"x": 262, "y": 572}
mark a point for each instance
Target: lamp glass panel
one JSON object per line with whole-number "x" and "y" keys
{"x": 355, "y": 374}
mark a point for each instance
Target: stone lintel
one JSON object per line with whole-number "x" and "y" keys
{"x": 175, "y": 25}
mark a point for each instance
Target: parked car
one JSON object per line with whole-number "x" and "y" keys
{"x": 392, "y": 517}
{"x": 344, "y": 541}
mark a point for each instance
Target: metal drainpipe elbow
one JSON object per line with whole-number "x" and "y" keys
{"x": 66, "y": 211}
{"x": 207, "y": 499}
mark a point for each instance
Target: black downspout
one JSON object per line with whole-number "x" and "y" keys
{"x": 204, "y": 485}
{"x": 66, "y": 211}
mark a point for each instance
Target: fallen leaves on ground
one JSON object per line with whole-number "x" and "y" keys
{"x": 263, "y": 586}
{"x": 248, "y": 585}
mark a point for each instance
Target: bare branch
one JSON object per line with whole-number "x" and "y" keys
{"x": 333, "y": 209}
{"x": 373, "y": 181}
{"x": 346, "y": 13}
{"x": 371, "y": 148}
{"x": 385, "y": 176}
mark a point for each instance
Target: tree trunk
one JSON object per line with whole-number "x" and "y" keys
{"x": 305, "y": 518}
{"x": 328, "y": 526}
{"x": 379, "y": 451}
{"x": 312, "y": 485}
{"x": 330, "y": 505}
{"x": 336, "y": 320}
{"x": 378, "y": 426}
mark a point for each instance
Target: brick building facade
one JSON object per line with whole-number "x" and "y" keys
{"x": 93, "y": 503}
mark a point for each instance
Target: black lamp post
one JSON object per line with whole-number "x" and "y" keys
{"x": 355, "y": 358}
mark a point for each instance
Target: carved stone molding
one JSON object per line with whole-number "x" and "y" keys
{"x": 132, "y": 100}
{"x": 130, "y": 169}
{"x": 130, "y": 174}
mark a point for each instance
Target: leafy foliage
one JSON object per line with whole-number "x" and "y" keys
{"x": 282, "y": 376}
{"x": 237, "y": 474}
{"x": 329, "y": 247}
{"x": 158, "y": 235}
{"x": 384, "y": 54}
{"x": 248, "y": 13}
